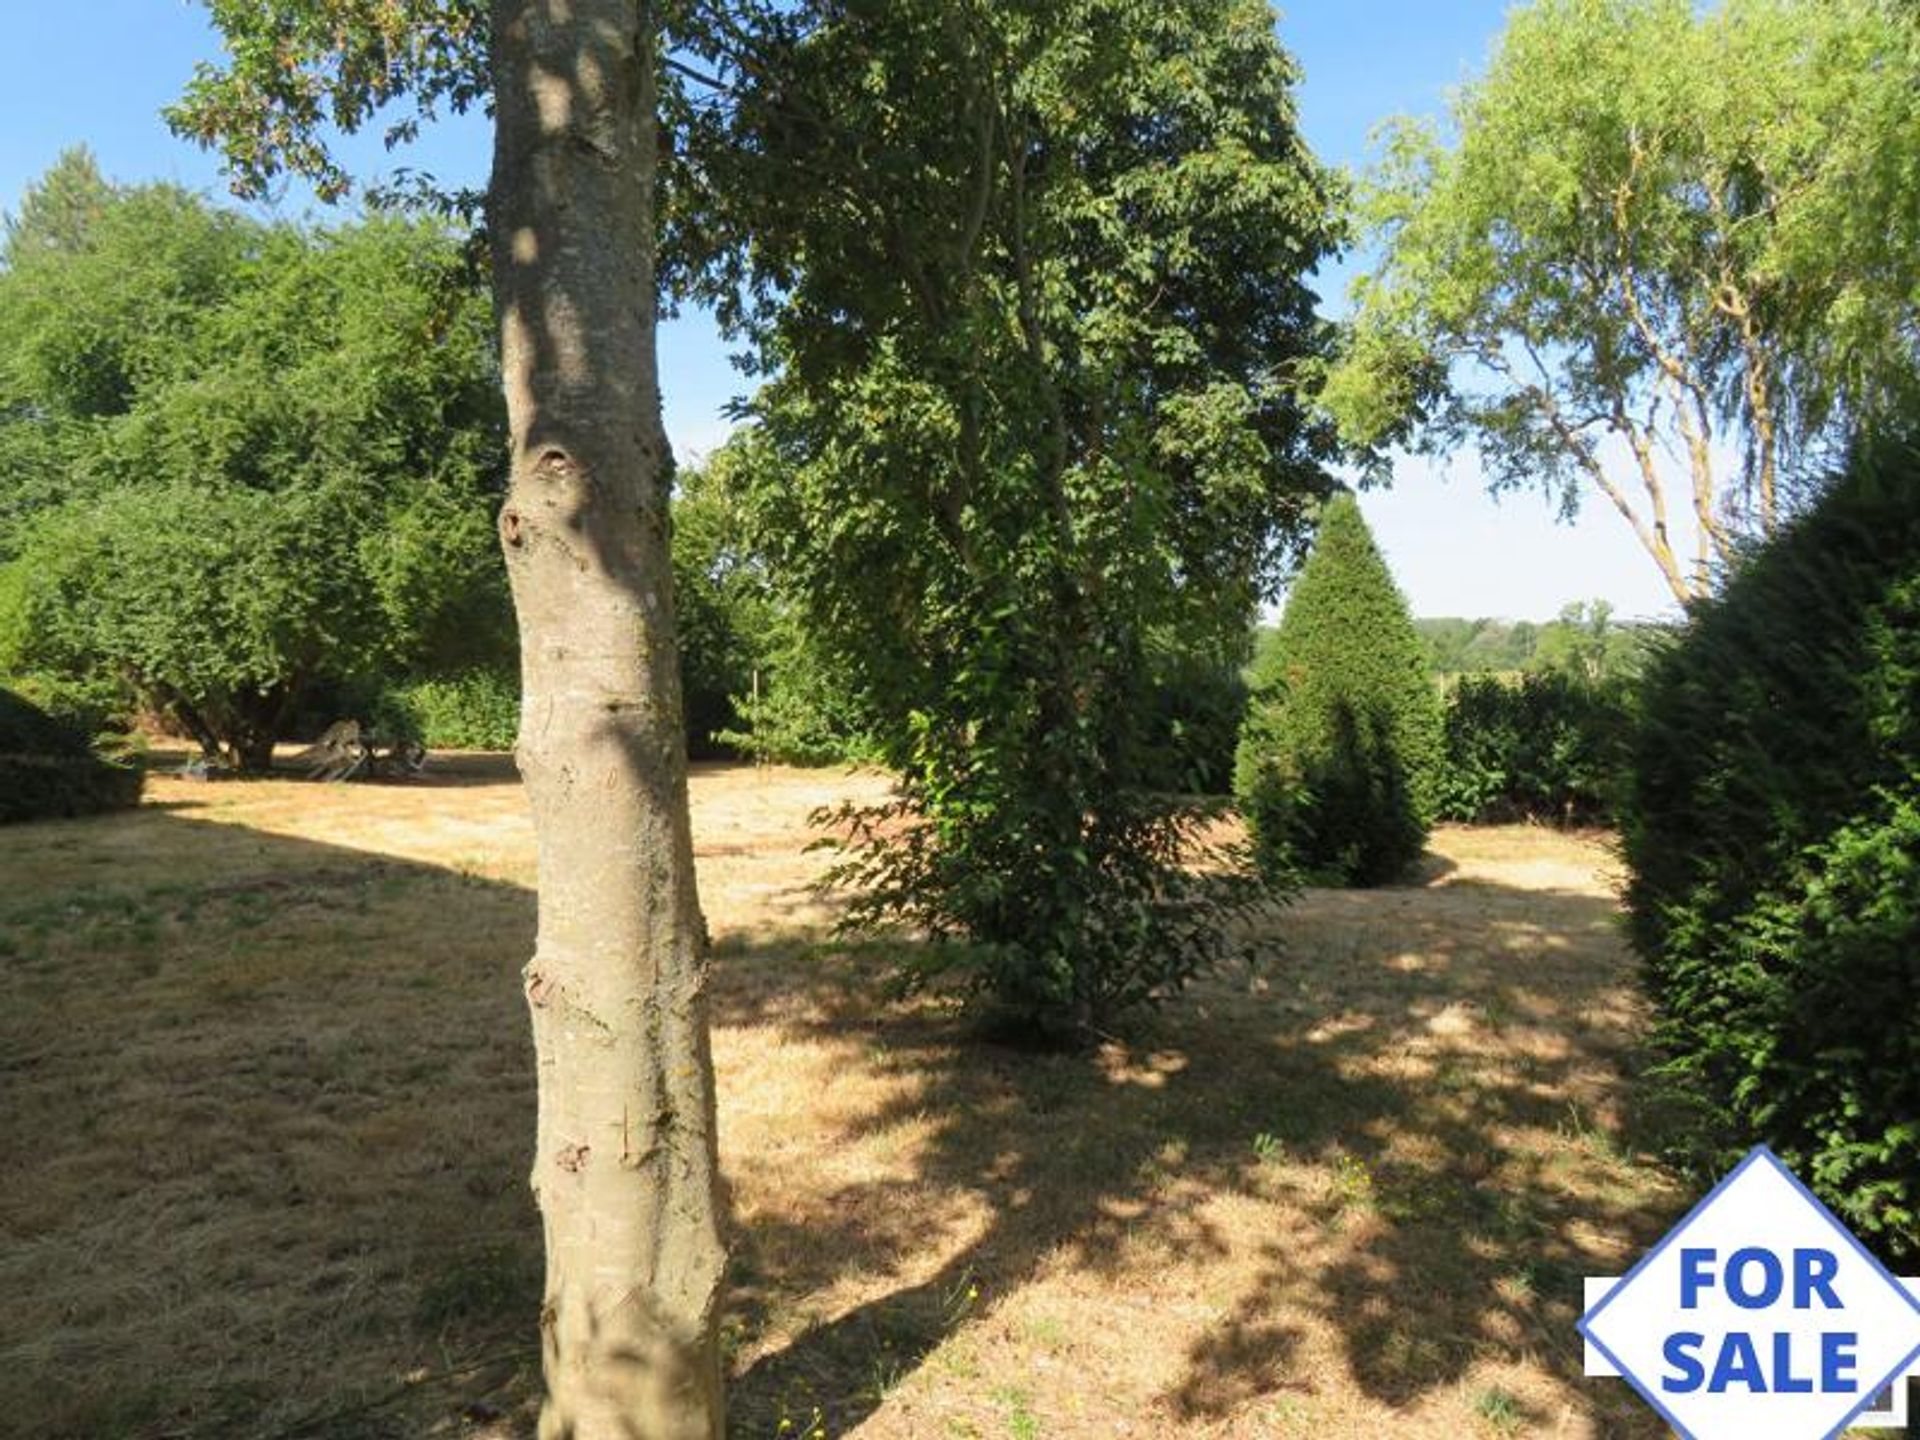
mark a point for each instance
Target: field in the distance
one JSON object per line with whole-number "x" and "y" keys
{"x": 265, "y": 1107}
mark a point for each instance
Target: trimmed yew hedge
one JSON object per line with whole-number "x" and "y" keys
{"x": 1772, "y": 823}
{"x": 1339, "y": 761}
{"x": 48, "y": 769}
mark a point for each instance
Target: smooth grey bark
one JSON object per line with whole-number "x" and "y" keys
{"x": 625, "y": 1169}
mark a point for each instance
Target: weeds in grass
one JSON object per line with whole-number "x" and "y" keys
{"x": 1499, "y": 1409}
{"x": 1046, "y": 1332}
{"x": 1602, "y": 1144}
{"x": 1288, "y": 1412}
{"x": 813, "y": 1426}
{"x": 1017, "y": 1404}
{"x": 1411, "y": 1196}
{"x": 888, "y": 1369}
{"x": 959, "y": 1299}
{"x": 1352, "y": 1186}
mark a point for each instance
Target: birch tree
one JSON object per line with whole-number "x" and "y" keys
{"x": 1656, "y": 257}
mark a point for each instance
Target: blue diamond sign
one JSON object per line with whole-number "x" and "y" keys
{"x": 1758, "y": 1315}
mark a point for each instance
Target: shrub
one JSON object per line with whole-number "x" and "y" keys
{"x": 93, "y": 705}
{"x": 1548, "y": 747}
{"x": 48, "y": 769}
{"x": 1339, "y": 758}
{"x": 754, "y": 681}
{"x": 217, "y": 608}
{"x": 1136, "y": 904}
{"x": 241, "y": 464}
{"x": 1773, "y": 829}
{"x": 801, "y": 710}
{"x": 473, "y": 710}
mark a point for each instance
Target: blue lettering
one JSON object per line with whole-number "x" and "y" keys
{"x": 1739, "y": 1364}
{"x": 1783, "y": 1379}
{"x": 1696, "y": 1274}
{"x": 1813, "y": 1272}
{"x": 1688, "y": 1372}
{"x": 1770, "y": 1278}
{"x": 1837, "y": 1361}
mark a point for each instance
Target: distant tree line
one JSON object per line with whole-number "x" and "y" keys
{"x": 1584, "y": 639}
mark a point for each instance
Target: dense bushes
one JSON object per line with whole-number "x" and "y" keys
{"x": 1196, "y": 705}
{"x": 1773, "y": 828}
{"x": 472, "y": 710}
{"x": 218, "y": 608}
{"x": 1339, "y": 759}
{"x": 48, "y": 768}
{"x": 243, "y": 466}
{"x": 1546, "y": 747}
{"x": 754, "y": 680}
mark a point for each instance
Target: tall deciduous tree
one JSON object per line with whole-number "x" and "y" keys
{"x": 625, "y": 1168}
{"x": 1031, "y": 277}
{"x": 1658, "y": 232}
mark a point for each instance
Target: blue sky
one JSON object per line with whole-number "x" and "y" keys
{"x": 1455, "y": 551}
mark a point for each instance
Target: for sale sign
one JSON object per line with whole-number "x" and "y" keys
{"x": 1758, "y": 1315}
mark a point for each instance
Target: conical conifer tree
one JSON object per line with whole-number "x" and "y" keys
{"x": 1340, "y": 751}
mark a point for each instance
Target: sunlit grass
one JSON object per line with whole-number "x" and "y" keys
{"x": 265, "y": 1097}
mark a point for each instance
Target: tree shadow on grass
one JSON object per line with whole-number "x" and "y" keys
{"x": 267, "y": 1103}
{"x": 1431, "y": 1092}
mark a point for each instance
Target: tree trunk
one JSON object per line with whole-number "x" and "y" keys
{"x": 625, "y": 1170}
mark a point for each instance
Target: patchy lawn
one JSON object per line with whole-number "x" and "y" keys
{"x": 265, "y": 1100}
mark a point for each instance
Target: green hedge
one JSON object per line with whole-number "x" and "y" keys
{"x": 48, "y": 769}
{"x": 1546, "y": 747}
{"x": 1773, "y": 829}
{"x": 474, "y": 710}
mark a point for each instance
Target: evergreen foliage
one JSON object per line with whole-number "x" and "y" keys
{"x": 48, "y": 769}
{"x": 1773, "y": 829}
{"x": 1339, "y": 760}
{"x": 1547, "y": 747}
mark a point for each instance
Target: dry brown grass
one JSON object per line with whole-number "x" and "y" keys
{"x": 265, "y": 1104}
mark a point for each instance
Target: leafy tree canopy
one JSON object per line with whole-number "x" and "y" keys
{"x": 1652, "y": 228}
{"x": 1029, "y": 280}
{"x": 235, "y": 420}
